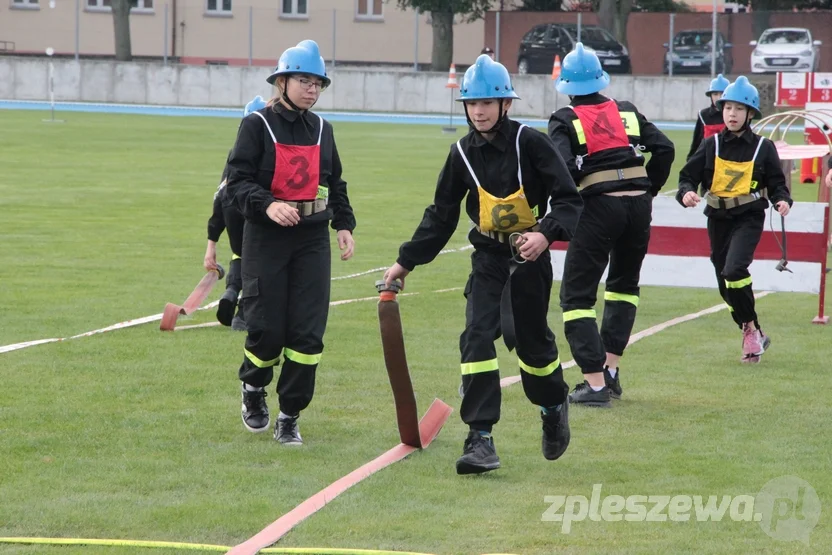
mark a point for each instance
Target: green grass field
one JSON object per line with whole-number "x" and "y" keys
{"x": 136, "y": 434}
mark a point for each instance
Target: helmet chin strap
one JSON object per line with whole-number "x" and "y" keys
{"x": 747, "y": 122}
{"x": 500, "y": 119}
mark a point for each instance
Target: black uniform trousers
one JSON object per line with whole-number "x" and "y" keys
{"x": 733, "y": 242}
{"x": 234, "y": 222}
{"x": 613, "y": 230}
{"x": 540, "y": 368}
{"x": 286, "y": 290}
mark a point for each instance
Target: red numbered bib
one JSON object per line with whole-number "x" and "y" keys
{"x": 602, "y": 126}
{"x": 297, "y": 169}
{"x": 710, "y": 129}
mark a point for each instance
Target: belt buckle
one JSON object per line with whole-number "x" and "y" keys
{"x": 620, "y": 174}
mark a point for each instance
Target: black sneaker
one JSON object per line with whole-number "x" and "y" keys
{"x": 255, "y": 410}
{"x": 478, "y": 454}
{"x": 614, "y": 384}
{"x": 583, "y": 394}
{"x": 556, "y": 434}
{"x": 286, "y": 431}
{"x": 225, "y": 310}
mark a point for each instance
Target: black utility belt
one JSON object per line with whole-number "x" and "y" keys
{"x": 505, "y": 237}
{"x": 306, "y": 208}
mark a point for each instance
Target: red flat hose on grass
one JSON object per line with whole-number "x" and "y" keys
{"x": 194, "y": 300}
{"x": 414, "y": 434}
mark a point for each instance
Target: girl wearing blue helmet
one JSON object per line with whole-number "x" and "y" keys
{"x": 510, "y": 174}
{"x": 226, "y": 217}
{"x": 285, "y": 177}
{"x": 709, "y": 122}
{"x": 740, "y": 173}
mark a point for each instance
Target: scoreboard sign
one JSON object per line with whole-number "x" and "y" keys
{"x": 821, "y": 90}
{"x": 793, "y": 89}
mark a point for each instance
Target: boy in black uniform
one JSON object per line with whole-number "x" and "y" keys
{"x": 226, "y": 217}
{"x": 709, "y": 122}
{"x": 285, "y": 177}
{"x": 600, "y": 139}
{"x": 510, "y": 174}
{"x": 739, "y": 171}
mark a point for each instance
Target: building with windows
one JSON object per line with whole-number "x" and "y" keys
{"x": 233, "y": 32}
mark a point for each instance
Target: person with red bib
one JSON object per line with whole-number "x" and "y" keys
{"x": 709, "y": 122}
{"x": 226, "y": 217}
{"x": 285, "y": 177}
{"x": 510, "y": 175}
{"x": 601, "y": 141}
{"x": 741, "y": 174}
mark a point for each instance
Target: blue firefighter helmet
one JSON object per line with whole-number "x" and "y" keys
{"x": 486, "y": 79}
{"x": 256, "y": 103}
{"x": 742, "y": 92}
{"x": 718, "y": 84}
{"x": 303, "y": 58}
{"x": 581, "y": 73}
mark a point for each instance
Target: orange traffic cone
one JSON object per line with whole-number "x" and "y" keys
{"x": 556, "y": 68}
{"x": 452, "y": 84}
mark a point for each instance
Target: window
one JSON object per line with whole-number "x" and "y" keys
{"x": 219, "y": 6}
{"x": 785, "y": 36}
{"x": 538, "y": 33}
{"x": 138, "y": 5}
{"x": 695, "y": 38}
{"x": 369, "y": 9}
{"x": 25, "y": 3}
{"x": 293, "y": 8}
{"x": 559, "y": 36}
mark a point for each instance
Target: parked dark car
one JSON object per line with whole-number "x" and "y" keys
{"x": 692, "y": 53}
{"x": 543, "y": 42}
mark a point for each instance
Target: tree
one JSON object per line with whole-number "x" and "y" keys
{"x": 613, "y": 16}
{"x": 761, "y": 10}
{"x": 541, "y": 6}
{"x": 667, "y": 6}
{"x": 442, "y": 14}
{"x": 121, "y": 26}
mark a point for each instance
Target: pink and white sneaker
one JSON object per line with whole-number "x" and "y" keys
{"x": 754, "y": 343}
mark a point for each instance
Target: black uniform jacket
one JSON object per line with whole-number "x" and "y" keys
{"x": 647, "y": 138}
{"x": 546, "y": 182}
{"x": 711, "y": 116}
{"x": 768, "y": 172}
{"x": 251, "y": 165}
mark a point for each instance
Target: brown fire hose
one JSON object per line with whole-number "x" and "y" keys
{"x": 392, "y": 341}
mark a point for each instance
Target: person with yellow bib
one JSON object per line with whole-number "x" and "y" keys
{"x": 511, "y": 174}
{"x": 601, "y": 140}
{"x": 740, "y": 172}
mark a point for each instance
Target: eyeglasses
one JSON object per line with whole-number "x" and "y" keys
{"x": 308, "y": 84}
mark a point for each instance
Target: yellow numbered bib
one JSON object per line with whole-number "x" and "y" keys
{"x": 733, "y": 179}
{"x": 508, "y": 214}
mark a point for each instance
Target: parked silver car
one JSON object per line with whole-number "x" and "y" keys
{"x": 785, "y": 49}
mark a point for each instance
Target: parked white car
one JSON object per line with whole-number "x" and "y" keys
{"x": 785, "y": 49}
